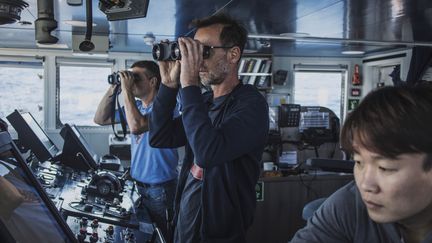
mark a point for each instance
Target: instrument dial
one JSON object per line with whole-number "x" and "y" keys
{"x": 104, "y": 188}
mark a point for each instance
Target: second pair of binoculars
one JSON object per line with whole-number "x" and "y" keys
{"x": 170, "y": 51}
{"x": 115, "y": 78}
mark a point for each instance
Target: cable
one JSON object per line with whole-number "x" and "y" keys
{"x": 79, "y": 154}
{"x": 332, "y": 154}
{"x": 316, "y": 151}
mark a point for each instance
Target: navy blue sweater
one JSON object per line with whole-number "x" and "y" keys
{"x": 229, "y": 150}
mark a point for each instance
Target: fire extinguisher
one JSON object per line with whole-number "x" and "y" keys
{"x": 356, "y": 76}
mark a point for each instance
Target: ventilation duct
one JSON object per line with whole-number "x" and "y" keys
{"x": 45, "y": 23}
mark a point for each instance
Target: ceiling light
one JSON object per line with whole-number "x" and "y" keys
{"x": 55, "y": 46}
{"x": 249, "y": 51}
{"x": 89, "y": 54}
{"x": 353, "y": 52}
{"x": 353, "y": 49}
{"x": 77, "y": 23}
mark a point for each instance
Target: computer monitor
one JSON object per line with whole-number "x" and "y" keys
{"x": 26, "y": 212}
{"x": 318, "y": 125}
{"x": 31, "y": 136}
{"x": 77, "y": 153}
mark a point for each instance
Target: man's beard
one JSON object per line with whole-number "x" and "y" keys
{"x": 211, "y": 78}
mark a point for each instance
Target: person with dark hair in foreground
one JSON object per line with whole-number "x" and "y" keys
{"x": 390, "y": 136}
{"x": 224, "y": 131}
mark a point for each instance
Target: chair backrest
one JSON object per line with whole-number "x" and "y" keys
{"x": 311, "y": 207}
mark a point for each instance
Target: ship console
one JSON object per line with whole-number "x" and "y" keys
{"x": 54, "y": 195}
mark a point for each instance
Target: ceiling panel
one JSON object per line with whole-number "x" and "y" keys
{"x": 375, "y": 24}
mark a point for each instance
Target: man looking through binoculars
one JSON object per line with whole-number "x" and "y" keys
{"x": 153, "y": 169}
{"x": 224, "y": 132}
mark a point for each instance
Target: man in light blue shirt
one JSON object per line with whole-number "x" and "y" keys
{"x": 153, "y": 169}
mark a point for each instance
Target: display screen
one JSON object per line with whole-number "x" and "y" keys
{"x": 36, "y": 128}
{"x": 76, "y": 151}
{"x": 31, "y": 135}
{"x": 23, "y": 202}
{"x": 84, "y": 142}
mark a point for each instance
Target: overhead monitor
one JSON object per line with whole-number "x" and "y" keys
{"x": 31, "y": 136}
{"x": 77, "y": 153}
{"x": 26, "y": 212}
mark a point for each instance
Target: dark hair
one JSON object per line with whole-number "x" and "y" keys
{"x": 152, "y": 70}
{"x": 232, "y": 34}
{"x": 391, "y": 121}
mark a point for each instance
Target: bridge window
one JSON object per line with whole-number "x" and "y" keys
{"x": 81, "y": 87}
{"x": 320, "y": 86}
{"x": 22, "y": 88}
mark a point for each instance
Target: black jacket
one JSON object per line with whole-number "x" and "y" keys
{"x": 229, "y": 150}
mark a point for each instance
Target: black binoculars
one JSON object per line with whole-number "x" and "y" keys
{"x": 170, "y": 51}
{"x": 115, "y": 78}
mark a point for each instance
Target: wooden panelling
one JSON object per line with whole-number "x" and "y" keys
{"x": 279, "y": 216}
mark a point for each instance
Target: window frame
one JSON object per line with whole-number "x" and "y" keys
{"x": 77, "y": 62}
{"x": 26, "y": 62}
{"x": 320, "y": 68}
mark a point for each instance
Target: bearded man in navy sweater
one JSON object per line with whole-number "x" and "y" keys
{"x": 224, "y": 132}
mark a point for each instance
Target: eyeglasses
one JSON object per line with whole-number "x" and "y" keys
{"x": 206, "y": 51}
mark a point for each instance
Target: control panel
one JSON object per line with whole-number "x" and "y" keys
{"x": 98, "y": 206}
{"x": 92, "y": 231}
